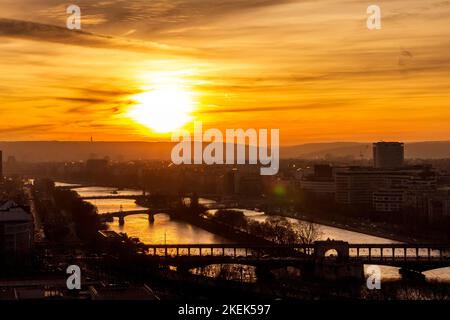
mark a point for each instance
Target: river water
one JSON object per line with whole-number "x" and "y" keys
{"x": 162, "y": 231}
{"x": 167, "y": 231}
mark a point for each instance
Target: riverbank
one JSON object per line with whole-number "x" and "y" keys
{"x": 223, "y": 230}
{"x": 376, "y": 230}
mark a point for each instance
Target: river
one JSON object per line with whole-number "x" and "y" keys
{"x": 167, "y": 231}
{"x": 162, "y": 231}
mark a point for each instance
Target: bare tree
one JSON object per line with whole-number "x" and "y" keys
{"x": 307, "y": 232}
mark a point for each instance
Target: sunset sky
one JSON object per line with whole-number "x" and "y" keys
{"x": 310, "y": 68}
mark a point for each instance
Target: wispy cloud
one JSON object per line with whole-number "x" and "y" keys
{"x": 309, "y": 67}
{"x": 50, "y": 33}
{"x": 26, "y": 128}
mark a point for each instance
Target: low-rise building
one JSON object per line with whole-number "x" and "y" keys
{"x": 321, "y": 182}
{"x": 388, "y": 200}
{"x": 438, "y": 206}
{"x": 16, "y": 230}
{"x": 319, "y": 187}
{"x": 357, "y": 185}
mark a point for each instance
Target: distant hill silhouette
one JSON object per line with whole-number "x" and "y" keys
{"x": 329, "y": 149}
{"x": 39, "y": 151}
{"x": 413, "y": 150}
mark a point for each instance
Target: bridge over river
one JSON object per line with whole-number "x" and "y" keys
{"x": 350, "y": 257}
{"x": 113, "y": 196}
{"x": 109, "y": 216}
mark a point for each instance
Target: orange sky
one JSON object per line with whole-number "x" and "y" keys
{"x": 310, "y": 68}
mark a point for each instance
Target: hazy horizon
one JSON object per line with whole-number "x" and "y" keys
{"x": 282, "y": 145}
{"x": 36, "y": 151}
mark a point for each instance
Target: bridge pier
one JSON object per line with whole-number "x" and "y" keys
{"x": 151, "y": 217}
{"x": 408, "y": 274}
{"x": 183, "y": 269}
{"x": 121, "y": 220}
{"x": 263, "y": 273}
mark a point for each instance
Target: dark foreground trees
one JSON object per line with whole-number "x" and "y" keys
{"x": 82, "y": 214}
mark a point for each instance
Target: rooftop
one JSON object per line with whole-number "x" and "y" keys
{"x": 11, "y": 211}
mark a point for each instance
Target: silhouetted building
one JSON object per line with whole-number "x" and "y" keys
{"x": 361, "y": 186}
{"x": 16, "y": 231}
{"x": 388, "y": 200}
{"x": 250, "y": 185}
{"x": 388, "y": 154}
{"x": 323, "y": 171}
{"x": 321, "y": 182}
{"x": 438, "y": 206}
{"x": 231, "y": 182}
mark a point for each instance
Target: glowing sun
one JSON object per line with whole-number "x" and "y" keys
{"x": 165, "y": 107}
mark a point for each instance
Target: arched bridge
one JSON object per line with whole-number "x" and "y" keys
{"x": 109, "y": 216}
{"x": 113, "y": 196}
{"x": 122, "y": 214}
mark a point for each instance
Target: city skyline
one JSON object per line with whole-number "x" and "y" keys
{"x": 311, "y": 69}
{"x": 205, "y": 158}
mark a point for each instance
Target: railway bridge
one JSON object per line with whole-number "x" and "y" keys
{"x": 333, "y": 259}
